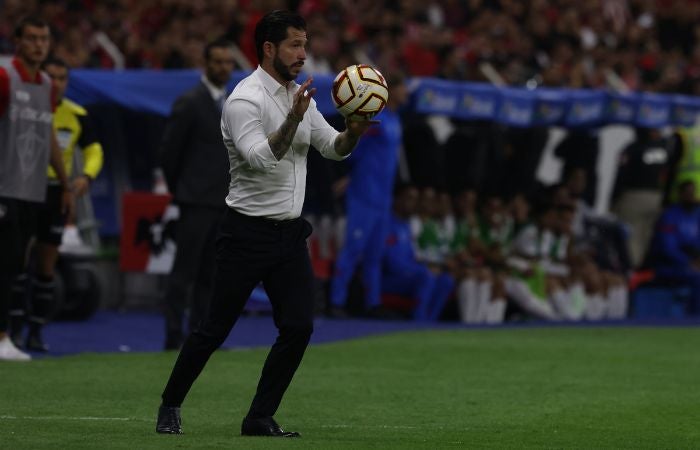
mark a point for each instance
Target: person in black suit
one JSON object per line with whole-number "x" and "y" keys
{"x": 196, "y": 168}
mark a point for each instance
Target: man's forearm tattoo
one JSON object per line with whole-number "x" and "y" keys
{"x": 281, "y": 140}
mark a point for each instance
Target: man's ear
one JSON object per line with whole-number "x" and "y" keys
{"x": 268, "y": 49}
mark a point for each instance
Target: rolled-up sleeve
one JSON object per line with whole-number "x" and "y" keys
{"x": 322, "y": 134}
{"x": 243, "y": 128}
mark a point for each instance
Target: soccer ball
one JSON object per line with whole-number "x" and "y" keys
{"x": 359, "y": 92}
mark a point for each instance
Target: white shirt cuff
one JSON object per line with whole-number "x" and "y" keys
{"x": 260, "y": 156}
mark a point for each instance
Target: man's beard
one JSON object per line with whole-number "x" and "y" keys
{"x": 218, "y": 80}
{"x": 282, "y": 70}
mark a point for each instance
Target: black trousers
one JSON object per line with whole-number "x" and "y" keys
{"x": 17, "y": 227}
{"x": 193, "y": 270}
{"x": 250, "y": 250}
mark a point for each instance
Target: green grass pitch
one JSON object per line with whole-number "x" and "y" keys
{"x": 555, "y": 387}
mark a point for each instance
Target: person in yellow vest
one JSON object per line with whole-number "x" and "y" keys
{"x": 687, "y": 167}
{"x": 33, "y": 298}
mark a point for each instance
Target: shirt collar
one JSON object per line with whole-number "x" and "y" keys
{"x": 24, "y": 73}
{"x": 271, "y": 85}
{"x": 215, "y": 91}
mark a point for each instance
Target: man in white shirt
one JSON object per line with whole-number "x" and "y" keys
{"x": 268, "y": 123}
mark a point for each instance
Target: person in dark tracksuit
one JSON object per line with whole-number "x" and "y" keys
{"x": 402, "y": 274}
{"x": 368, "y": 203}
{"x": 675, "y": 247}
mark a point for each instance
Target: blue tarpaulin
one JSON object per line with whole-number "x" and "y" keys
{"x": 154, "y": 91}
{"x": 522, "y": 107}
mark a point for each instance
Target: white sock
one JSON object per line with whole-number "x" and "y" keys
{"x": 562, "y": 304}
{"x": 595, "y": 307}
{"x": 577, "y": 300}
{"x": 604, "y": 305}
{"x": 484, "y": 296}
{"x": 623, "y": 301}
{"x": 468, "y": 300}
{"x": 496, "y": 311}
{"x": 610, "y": 300}
{"x": 521, "y": 294}
{"x": 617, "y": 299}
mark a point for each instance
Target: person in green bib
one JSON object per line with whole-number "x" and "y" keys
{"x": 687, "y": 167}
{"x": 435, "y": 228}
{"x": 480, "y": 241}
{"x": 533, "y": 262}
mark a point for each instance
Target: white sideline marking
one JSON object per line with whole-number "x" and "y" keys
{"x": 109, "y": 419}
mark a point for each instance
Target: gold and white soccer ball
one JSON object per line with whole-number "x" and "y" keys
{"x": 359, "y": 92}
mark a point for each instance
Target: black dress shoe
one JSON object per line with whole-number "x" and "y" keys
{"x": 264, "y": 426}
{"x": 169, "y": 421}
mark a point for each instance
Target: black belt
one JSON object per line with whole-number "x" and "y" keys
{"x": 264, "y": 221}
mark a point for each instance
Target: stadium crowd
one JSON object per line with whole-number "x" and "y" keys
{"x": 480, "y": 257}
{"x": 650, "y": 45}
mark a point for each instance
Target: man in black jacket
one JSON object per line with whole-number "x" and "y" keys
{"x": 643, "y": 174}
{"x": 196, "y": 167}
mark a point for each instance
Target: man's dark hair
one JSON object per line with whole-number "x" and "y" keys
{"x": 273, "y": 28}
{"x": 219, "y": 43}
{"x": 29, "y": 21}
{"x": 54, "y": 61}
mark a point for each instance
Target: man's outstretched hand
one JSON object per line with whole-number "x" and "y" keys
{"x": 358, "y": 127}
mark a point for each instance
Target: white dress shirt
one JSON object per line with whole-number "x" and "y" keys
{"x": 261, "y": 185}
